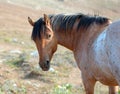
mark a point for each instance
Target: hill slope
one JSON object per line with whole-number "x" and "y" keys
{"x": 19, "y": 68}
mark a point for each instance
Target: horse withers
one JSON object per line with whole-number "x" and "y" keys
{"x": 95, "y": 46}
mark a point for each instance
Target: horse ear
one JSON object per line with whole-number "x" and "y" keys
{"x": 46, "y": 19}
{"x": 30, "y": 21}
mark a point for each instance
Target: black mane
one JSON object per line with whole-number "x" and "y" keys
{"x": 37, "y": 29}
{"x": 65, "y": 23}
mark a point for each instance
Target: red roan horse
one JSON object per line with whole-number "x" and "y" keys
{"x": 90, "y": 40}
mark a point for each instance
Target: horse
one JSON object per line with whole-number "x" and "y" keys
{"x": 93, "y": 40}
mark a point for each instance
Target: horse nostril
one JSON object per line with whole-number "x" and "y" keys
{"x": 47, "y": 62}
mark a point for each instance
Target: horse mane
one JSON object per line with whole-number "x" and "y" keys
{"x": 65, "y": 23}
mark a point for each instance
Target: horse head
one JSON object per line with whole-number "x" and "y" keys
{"x": 44, "y": 39}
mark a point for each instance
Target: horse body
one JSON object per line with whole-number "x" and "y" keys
{"x": 92, "y": 43}
{"x": 93, "y": 60}
{"x": 101, "y": 61}
{"x": 106, "y": 56}
{"x": 113, "y": 44}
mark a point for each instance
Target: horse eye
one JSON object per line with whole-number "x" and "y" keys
{"x": 48, "y": 36}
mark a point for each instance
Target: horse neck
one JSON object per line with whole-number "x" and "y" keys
{"x": 78, "y": 40}
{"x": 86, "y": 38}
{"x": 66, "y": 40}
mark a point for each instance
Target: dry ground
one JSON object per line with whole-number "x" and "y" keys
{"x": 15, "y": 34}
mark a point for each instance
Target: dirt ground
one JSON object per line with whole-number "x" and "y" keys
{"x": 15, "y": 33}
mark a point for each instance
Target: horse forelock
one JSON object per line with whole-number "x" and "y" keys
{"x": 37, "y": 29}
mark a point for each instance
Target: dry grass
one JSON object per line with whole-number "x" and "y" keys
{"x": 15, "y": 34}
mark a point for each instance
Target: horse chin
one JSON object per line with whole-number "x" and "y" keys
{"x": 45, "y": 66}
{"x": 45, "y": 69}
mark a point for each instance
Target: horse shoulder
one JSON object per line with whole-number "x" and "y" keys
{"x": 99, "y": 60}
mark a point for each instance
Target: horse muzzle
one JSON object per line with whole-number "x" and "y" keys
{"x": 45, "y": 65}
